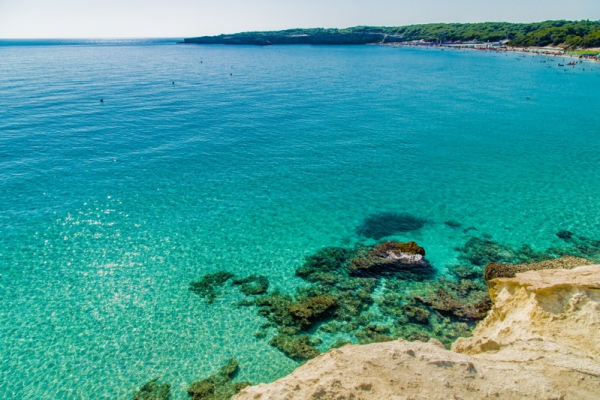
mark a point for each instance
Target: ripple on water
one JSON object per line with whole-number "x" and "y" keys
{"x": 110, "y": 210}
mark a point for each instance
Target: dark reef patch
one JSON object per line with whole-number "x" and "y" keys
{"x": 464, "y": 300}
{"x": 380, "y": 225}
{"x": 297, "y": 347}
{"x": 453, "y": 224}
{"x": 480, "y": 251}
{"x": 152, "y": 390}
{"x": 564, "y": 235}
{"x": 208, "y": 286}
{"x": 218, "y": 386}
{"x": 252, "y": 285}
{"x": 312, "y": 309}
{"x": 340, "y": 300}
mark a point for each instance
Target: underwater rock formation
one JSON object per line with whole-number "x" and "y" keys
{"x": 481, "y": 251}
{"x": 381, "y": 292}
{"x": 564, "y": 235}
{"x": 312, "y": 309}
{"x": 218, "y": 386}
{"x": 378, "y": 226}
{"x": 208, "y": 286}
{"x": 453, "y": 298}
{"x": 579, "y": 246}
{"x": 539, "y": 341}
{"x": 153, "y": 391}
{"x": 338, "y": 300}
{"x": 297, "y": 347}
{"x": 252, "y": 285}
{"x": 453, "y": 224}
{"x": 392, "y": 257}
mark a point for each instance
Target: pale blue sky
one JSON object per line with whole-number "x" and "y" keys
{"x": 185, "y": 18}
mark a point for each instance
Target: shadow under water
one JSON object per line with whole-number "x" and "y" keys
{"x": 380, "y": 225}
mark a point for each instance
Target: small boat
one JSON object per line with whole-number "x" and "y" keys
{"x": 561, "y": 65}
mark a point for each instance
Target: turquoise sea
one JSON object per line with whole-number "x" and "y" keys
{"x": 248, "y": 159}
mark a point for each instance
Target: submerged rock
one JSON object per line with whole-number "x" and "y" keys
{"x": 481, "y": 251}
{"x": 312, "y": 309}
{"x": 218, "y": 386}
{"x": 584, "y": 247}
{"x": 297, "y": 347}
{"x": 252, "y": 285}
{"x": 326, "y": 265}
{"x": 416, "y": 314}
{"x": 466, "y": 272}
{"x": 152, "y": 390}
{"x": 230, "y": 369}
{"x": 208, "y": 286}
{"x": 276, "y": 308}
{"x": 442, "y": 300}
{"x": 374, "y": 333}
{"x": 392, "y": 258}
{"x": 564, "y": 235}
{"x": 453, "y": 224}
{"x": 378, "y": 226}
{"x": 340, "y": 295}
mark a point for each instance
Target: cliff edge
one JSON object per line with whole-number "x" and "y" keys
{"x": 539, "y": 341}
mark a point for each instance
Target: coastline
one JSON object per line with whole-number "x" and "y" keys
{"x": 547, "y": 37}
{"x": 538, "y": 341}
{"x": 534, "y": 51}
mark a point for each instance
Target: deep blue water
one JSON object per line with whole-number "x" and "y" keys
{"x": 248, "y": 159}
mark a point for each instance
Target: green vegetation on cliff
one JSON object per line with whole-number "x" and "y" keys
{"x": 568, "y": 34}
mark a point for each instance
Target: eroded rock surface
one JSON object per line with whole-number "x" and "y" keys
{"x": 498, "y": 270}
{"x": 390, "y": 257}
{"x": 539, "y": 341}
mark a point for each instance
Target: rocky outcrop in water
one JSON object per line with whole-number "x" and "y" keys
{"x": 539, "y": 341}
{"x": 218, "y": 386}
{"x": 153, "y": 391}
{"x": 388, "y": 258}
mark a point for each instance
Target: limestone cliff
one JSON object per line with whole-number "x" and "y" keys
{"x": 539, "y": 341}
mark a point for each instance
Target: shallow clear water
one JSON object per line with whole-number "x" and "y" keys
{"x": 253, "y": 159}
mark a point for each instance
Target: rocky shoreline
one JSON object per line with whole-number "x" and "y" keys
{"x": 548, "y": 34}
{"x": 539, "y": 341}
{"x": 383, "y": 292}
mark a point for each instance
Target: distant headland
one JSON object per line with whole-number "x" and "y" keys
{"x": 569, "y": 35}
